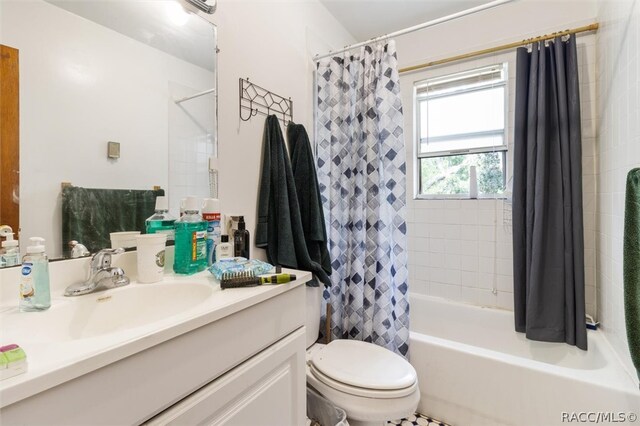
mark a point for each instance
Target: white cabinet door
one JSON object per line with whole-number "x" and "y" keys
{"x": 266, "y": 390}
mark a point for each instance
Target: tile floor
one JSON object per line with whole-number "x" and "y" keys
{"x": 417, "y": 419}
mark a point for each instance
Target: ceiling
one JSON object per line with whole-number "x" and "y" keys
{"x": 164, "y": 25}
{"x": 366, "y": 19}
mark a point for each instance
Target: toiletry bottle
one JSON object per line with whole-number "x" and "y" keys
{"x": 241, "y": 240}
{"x": 224, "y": 250}
{"x": 34, "y": 285}
{"x": 161, "y": 222}
{"x": 11, "y": 255}
{"x": 191, "y": 240}
{"x": 211, "y": 214}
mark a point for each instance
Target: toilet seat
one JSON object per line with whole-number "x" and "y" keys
{"x": 363, "y": 369}
{"x": 360, "y": 391}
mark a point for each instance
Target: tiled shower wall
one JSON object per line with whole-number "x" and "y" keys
{"x": 618, "y": 148}
{"x": 461, "y": 249}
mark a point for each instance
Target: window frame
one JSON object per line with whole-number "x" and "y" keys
{"x": 502, "y": 149}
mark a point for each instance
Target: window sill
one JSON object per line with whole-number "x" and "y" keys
{"x": 459, "y": 198}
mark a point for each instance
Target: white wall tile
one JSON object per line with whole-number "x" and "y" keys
{"x": 616, "y": 147}
{"x": 469, "y": 263}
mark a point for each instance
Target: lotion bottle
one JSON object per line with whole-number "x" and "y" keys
{"x": 224, "y": 250}
{"x": 35, "y": 294}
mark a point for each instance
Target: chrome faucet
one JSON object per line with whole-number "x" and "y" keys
{"x": 101, "y": 275}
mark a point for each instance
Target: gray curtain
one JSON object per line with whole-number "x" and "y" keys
{"x": 548, "y": 246}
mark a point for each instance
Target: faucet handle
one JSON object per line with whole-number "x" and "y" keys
{"x": 102, "y": 259}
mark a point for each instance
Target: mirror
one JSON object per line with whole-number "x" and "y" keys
{"x": 138, "y": 73}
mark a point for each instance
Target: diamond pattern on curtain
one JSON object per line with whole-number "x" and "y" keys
{"x": 362, "y": 179}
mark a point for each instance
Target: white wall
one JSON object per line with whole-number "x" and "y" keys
{"x": 79, "y": 88}
{"x": 618, "y": 147}
{"x": 272, "y": 43}
{"x": 462, "y": 249}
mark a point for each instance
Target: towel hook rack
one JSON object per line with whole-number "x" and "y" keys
{"x": 258, "y": 100}
{"x": 252, "y": 112}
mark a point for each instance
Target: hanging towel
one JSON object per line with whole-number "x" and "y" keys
{"x": 308, "y": 192}
{"x": 631, "y": 267}
{"x": 279, "y": 228}
{"x": 90, "y": 214}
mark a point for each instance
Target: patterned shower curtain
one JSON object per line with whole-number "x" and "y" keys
{"x": 362, "y": 178}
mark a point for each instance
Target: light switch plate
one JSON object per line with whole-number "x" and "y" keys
{"x": 113, "y": 149}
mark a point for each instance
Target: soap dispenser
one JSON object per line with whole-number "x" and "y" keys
{"x": 11, "y": 255}
{"x": 34, "y": 284}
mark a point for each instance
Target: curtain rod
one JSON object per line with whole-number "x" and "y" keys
{"x": 197, "y": 95}
{"x": 586, "y": 28}
{"x": 431, "y": 23}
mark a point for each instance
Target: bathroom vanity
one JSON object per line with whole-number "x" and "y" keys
{"x": 181, "y": 351}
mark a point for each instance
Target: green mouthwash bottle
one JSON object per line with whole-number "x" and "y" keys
{"x": 191, "y": 240}
{"x": 161, "y": 222}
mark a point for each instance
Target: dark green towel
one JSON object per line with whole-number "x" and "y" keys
{"x": 279, "y": 229}
{"x": 632, "y": 265}
{"x": 308, "y": 191}
{"x": 89, "y": 214}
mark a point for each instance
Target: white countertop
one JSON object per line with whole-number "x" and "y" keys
{"x": 55, "y": 361}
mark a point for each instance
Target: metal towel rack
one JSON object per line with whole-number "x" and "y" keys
{"x": 258, "y": 100}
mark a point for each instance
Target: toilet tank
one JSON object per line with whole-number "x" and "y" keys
{"x": 314, "y": 303}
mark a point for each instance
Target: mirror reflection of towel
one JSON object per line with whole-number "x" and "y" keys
{"x": 89, "y": 214}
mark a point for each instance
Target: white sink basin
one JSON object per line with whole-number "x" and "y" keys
{"x": 110, "y": 311}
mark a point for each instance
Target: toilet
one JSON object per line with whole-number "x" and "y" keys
{"x": 371, "y": 383}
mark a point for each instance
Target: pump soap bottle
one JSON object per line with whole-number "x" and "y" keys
{"x": 241, "y": 240}
{"x": 34, "y": 285}
{"x": 11, "y": 255}
{"x": 191, "y": 240}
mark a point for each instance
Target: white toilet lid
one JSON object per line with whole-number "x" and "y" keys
{"x": 364, "y": 365}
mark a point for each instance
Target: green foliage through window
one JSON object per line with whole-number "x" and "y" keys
{"x": 450, "y": 175}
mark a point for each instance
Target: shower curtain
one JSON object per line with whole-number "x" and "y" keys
{"x": 548, "y": 246}
{"x": 361, "y": 173}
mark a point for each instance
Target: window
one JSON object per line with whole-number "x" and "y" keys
{"x": 461, "y": 122}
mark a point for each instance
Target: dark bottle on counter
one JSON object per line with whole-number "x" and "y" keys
{"x": 241, "y": 240}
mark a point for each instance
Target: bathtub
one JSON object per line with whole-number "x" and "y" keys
{"x": 474, "y": 369}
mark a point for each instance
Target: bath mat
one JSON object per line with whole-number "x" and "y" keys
{"x": 417, "y": 419}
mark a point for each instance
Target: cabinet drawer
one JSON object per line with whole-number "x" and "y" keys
{"x": 266, "y": 390}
